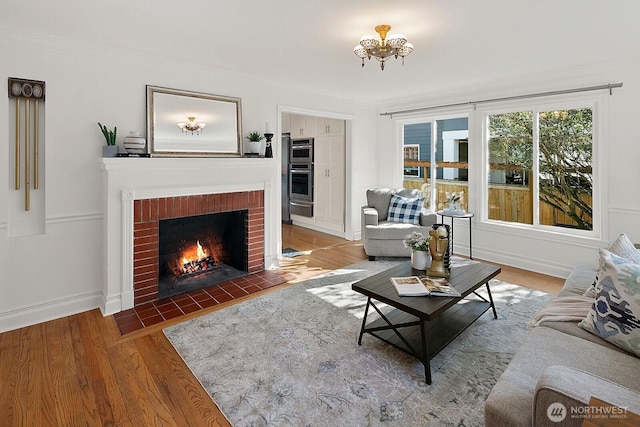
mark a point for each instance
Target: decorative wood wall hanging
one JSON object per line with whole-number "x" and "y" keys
{"x": 29, "y": 91}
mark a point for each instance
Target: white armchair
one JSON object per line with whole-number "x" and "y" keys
{"x": 381, "y": 237}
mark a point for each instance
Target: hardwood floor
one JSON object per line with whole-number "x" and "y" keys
{"x": 79, "y": 370}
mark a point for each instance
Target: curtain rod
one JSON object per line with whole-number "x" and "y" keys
{"x": 609, "y": 86}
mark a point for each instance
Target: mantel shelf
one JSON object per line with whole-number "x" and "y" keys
{"x": 125, "y": 163}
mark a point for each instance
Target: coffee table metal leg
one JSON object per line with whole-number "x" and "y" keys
{"x": 364, "y": 321}
{"x": 425, "y": 353}
{"x": 493, "y": 306}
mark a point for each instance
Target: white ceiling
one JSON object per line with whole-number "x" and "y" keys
{"x": 308, "y": 44}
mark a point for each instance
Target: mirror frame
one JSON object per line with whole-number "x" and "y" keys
{"x": 151, "y": 114}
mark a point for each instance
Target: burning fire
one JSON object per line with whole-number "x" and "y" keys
{"x": 199, "y": 256}
{"x": 195, "y": 259}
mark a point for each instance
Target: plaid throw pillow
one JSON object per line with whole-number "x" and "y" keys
{"x": 405, "y": 210}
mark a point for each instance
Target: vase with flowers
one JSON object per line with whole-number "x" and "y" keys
{"x": 419, "y": 245}
{"x": 454, "y": 200}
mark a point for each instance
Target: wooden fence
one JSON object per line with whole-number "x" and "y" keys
{"x": 512, "y": 203}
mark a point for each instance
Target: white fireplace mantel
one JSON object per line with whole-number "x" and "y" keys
{"x": 128, "y": 179}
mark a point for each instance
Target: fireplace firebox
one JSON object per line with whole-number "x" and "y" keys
{"x": 200, "y": 251}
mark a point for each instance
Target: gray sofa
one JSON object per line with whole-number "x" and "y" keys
{"x": 384, "y": 238}
{"x": 559, "y": 362}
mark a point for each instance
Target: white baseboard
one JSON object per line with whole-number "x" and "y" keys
{"x": 114, "y": 304}
{"x": 43, "y": 312}
{"x": 529, "y": 263}
{"x": 320, "y": 229}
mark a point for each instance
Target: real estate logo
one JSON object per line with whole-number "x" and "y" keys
{"x": 556, "y": 412}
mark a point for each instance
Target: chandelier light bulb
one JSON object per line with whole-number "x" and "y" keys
{"x": 360, "y": 51}
{"x": 369, "y": 42}
{"x": 405, "y": 50}
{"x": 396, "y": 41}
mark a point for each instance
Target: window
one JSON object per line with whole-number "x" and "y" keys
{"x": 446, "y": 141}
{"x": 540, "y": 167}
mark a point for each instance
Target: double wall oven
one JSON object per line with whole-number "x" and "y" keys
{"x": 301, "y": 176}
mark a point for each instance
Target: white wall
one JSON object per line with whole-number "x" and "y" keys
{"x": 547, "y": 252}
{"x": 59, "y": 272}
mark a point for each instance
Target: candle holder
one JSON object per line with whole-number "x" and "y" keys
{"x": 268, "y": 151}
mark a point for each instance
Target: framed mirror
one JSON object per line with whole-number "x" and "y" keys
{"x": 190, "y": 124}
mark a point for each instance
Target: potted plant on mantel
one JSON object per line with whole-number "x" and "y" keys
{"x": 109, "y": 150}
{"x": 254, "y": 141}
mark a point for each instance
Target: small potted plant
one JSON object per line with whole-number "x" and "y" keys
{"x": 109, "y": 150}
{"x": 254, "y": 141}
{"x": 419, "y": 245}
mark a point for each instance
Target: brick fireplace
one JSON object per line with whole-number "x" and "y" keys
{"x": 137, "y": 192}
{"x": 147, "y": 214}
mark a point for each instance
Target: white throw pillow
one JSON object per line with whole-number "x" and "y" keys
{"x": 624, "y": 248}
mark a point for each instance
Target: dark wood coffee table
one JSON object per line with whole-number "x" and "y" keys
{"x": 422, "y": 326}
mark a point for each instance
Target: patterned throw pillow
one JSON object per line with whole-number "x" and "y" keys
{"x": 405, "y": 210}
{"x": 615, "y": 314}
{"x": 622, "y": 247}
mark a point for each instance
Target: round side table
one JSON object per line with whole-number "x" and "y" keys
{"x": 453, "y": 215}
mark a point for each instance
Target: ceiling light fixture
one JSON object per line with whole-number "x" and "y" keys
{"x": 192, "y": 126}
{"x": 395, "y": 45}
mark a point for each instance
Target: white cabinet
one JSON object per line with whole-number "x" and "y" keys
{"x": 329, "y": 126}
{"x": 329, "y": 182}
{"x": 302, "y": 126}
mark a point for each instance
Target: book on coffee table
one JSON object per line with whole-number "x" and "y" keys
{"x": 415, "y": 286}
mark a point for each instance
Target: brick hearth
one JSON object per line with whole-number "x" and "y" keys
{"x": 148, "y": 212}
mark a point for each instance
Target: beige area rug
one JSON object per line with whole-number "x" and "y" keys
{"x": 291, "y": 358}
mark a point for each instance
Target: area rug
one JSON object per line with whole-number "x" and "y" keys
{"x": 291, "y": 358}
{"x": 292, "y": 253}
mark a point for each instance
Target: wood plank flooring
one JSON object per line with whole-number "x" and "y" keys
{"x": 79, "y": 370}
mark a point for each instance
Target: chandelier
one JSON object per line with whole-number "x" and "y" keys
{"x": 191, "y": 126}
{"x": 395, "y": 45}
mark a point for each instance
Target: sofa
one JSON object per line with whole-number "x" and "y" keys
{"x": 559, "y": 362}
{"x": 383, "y": 235}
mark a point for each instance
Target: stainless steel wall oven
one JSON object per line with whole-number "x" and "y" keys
{"x": 301, "y": 177}
{"x": 301, "y": 151}
{"x": 301, "y": 181}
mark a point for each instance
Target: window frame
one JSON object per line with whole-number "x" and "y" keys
{"x": 589, "y": 100}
